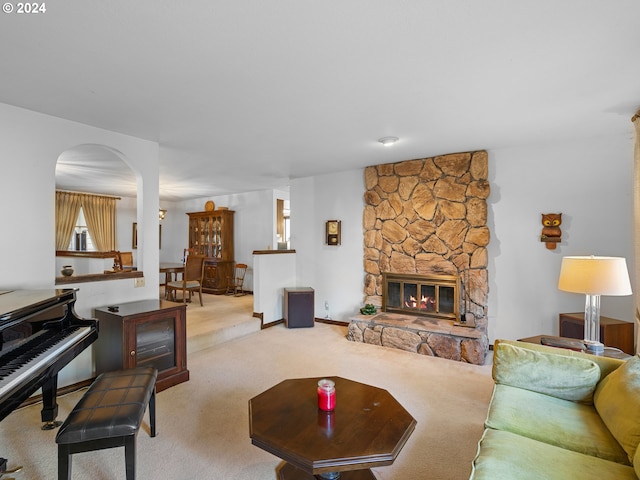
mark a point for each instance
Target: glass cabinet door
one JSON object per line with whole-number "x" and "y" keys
{"x": 155, "y": 344}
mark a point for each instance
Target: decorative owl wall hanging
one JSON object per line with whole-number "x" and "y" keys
{"x": 551, "y": 232}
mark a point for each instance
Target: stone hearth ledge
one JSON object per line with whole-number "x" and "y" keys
{"x": 419, "y": 334}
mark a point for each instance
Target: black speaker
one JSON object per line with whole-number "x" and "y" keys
{"x": 298, "y": 307}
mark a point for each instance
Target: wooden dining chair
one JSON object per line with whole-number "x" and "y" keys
{"x": 186, "y": 252}
{"x": 122, "y": 262}
{"x": 235, "y": 284}
{"x": 126, "y": 259}
{"x": 117, "y": 262}
{"x": 191, "y": 279}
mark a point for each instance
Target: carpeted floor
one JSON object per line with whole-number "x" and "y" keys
{"x": 203, "y": 428}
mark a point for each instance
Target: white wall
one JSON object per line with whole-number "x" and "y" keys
{"x": 336, "y": 273}
{"x": 126, "y": 214}
{"x": 174, "y": 237}
{"x": 31, "y": 144}
{"x": 589, "y": 182}
{"x": 272, "y": 274}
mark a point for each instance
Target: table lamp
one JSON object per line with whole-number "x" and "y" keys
{"x": 594, "y": 276}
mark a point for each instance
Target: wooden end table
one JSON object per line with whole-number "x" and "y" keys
{"x": 368, "y": 428}
{"x": 608, "y": 352}
{"x": 613, "y": 333}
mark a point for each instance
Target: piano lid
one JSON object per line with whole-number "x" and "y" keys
{"x": 18, "y": 305}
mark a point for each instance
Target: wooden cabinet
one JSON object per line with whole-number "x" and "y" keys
{"x": 211, "y": 235}
{"x": 147, "y": 333}
{"x": 613, "y": 333}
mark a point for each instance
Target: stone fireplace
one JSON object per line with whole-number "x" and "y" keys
{"x": 428, "y": 217}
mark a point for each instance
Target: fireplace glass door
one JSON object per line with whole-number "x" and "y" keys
{"x": 430, "y": 295}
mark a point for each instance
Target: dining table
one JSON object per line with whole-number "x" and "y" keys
{"x": 169, "y": 270}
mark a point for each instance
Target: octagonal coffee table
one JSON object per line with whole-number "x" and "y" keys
{"x": 367, "y": 429}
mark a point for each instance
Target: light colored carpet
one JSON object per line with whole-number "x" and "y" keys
{"x": 222, "y": 318}
{"x": 203, "y": 428}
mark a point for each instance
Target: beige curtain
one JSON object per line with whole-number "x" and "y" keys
{"x": 67, "y": 209}
{"x": 636, "y": 198}
{"x": 100, "y": 214}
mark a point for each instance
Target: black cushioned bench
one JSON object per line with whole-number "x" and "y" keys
{"x": 109, "y": 415}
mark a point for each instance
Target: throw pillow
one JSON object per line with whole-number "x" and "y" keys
{"x": 561, "y": 376}
{"x": 617, "y": 400}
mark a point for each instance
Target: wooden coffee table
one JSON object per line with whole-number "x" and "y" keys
{"x": 368, "y": 428}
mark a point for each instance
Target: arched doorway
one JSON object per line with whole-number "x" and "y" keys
{"x": 97, "y": 170}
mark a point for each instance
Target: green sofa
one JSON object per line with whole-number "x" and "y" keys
{"x": 560, "y": 414}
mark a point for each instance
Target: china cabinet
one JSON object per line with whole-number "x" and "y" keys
{"x": 211, "y": 235}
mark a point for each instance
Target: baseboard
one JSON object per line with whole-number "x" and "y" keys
{"x": 60, "y": 392}
{"x": 260, "y": 315}
{"x": 332, "y": 322}
{"x": 316, "y": 319}
{"x": 271, "y": 324}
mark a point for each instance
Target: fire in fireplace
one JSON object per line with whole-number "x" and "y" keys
{"x": 429, "y": 295}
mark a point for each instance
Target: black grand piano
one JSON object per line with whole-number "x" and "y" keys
{"x": 39, "y": 334}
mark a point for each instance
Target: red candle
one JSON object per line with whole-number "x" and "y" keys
{"x": 326, "y": 395}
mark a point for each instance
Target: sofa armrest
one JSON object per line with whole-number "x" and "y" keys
{"x": 553, "y": 372}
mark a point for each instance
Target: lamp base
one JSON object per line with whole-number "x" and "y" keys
{"x": 594, "y": 347}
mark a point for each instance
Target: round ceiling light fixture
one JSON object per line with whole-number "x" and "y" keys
{"x": 388, "y": 141}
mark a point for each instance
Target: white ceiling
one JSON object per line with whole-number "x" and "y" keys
{"x": 246, "y": 94}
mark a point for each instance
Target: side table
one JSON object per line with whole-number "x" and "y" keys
{"x": 608, "y": 352}
{"x": 613, "y": 333}
{"x": 145, "y": 333}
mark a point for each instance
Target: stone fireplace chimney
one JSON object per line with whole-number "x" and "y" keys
{"x": 429, "y": 217}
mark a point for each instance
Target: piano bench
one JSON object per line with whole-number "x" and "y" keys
{"x": 109, "y": 415}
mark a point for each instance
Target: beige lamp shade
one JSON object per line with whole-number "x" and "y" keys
{"x": 595, "y": 275}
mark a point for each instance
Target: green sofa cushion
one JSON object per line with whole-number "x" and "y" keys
{"x": 507, "y": 456}
{"x": 566, "y": 424}
{"x": 569, "y": 378}
{"x": 617, "y": 400}
{"x": 606, "y": 364}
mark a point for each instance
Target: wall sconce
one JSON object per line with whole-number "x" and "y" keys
{"x": 594, "y": 276}
{"x": 162, "y": 214}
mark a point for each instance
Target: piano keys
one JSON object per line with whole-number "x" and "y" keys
{"x": 39, "y": 334}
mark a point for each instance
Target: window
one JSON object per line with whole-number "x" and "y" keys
{"x": 81, "y": 239}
